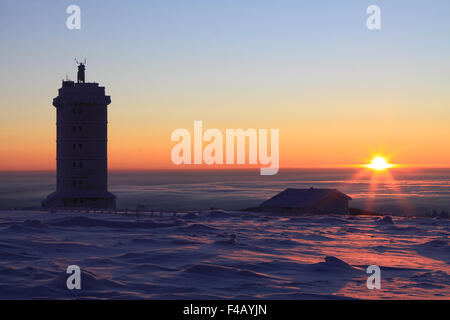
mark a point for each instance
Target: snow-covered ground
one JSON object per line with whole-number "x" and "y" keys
{"x": 218, "y": 254}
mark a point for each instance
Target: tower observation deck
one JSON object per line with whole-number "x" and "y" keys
{"x": 81, "y": 146}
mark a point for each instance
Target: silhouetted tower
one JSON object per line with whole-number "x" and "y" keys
{"x": 81, "y": 147}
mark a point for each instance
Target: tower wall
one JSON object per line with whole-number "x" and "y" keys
{"x": 82, "y": 170}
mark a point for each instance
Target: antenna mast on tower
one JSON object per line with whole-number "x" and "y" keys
{"x": 81, "y": 70}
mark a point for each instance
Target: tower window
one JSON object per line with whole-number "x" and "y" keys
{"x": 80, "y": 164}
{"x": 74, "y": 146}
{"x": 80, "y": 145}
{"x": 74, "y": 164}
{"x": 80, "y": 128}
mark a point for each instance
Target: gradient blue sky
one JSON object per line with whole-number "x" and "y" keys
{"x": 310, "y": 68}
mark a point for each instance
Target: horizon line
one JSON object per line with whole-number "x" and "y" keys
{"x": 221, "y": 168}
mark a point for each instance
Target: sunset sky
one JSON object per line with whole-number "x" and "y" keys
{"x": 338, "y": 92}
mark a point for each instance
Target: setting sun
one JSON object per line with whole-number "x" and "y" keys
{"x": 379, "y": 163}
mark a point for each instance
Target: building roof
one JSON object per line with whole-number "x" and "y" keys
{"x": 303, "y": 198}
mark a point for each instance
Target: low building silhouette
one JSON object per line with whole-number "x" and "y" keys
{"x": 315, "y": 201}
{"x": 82, "y": 169}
